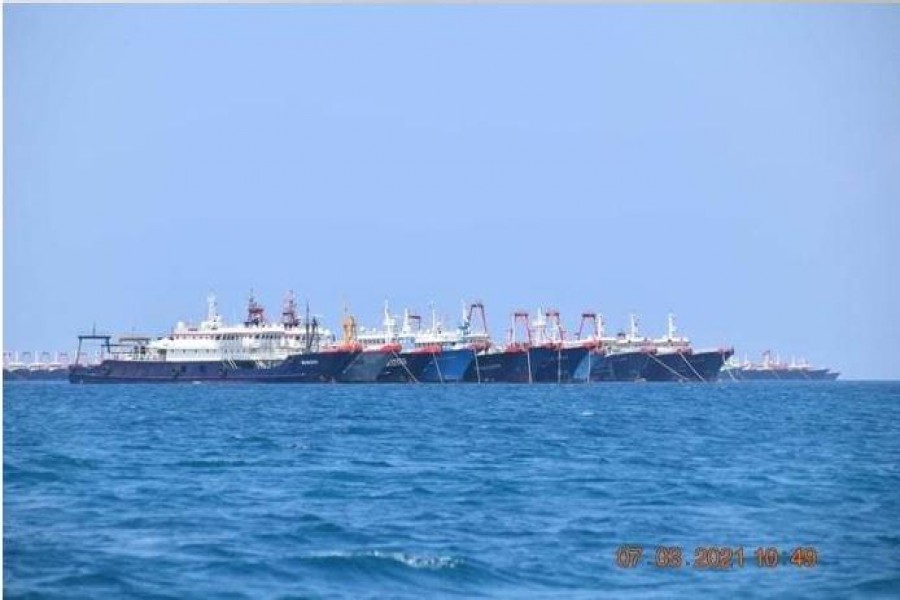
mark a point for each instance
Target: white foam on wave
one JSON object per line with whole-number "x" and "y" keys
{"x": 410, "y": 560}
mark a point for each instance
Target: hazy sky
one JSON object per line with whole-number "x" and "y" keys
{"x": 738, "y": 165}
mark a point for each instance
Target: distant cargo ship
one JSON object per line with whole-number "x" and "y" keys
{"x": 774, "y": 369}
{"x": 37, "y": 366}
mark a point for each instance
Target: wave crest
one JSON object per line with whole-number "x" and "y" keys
{"x": 432, "y": 563}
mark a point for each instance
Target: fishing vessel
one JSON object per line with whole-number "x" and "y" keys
{"x": 288, "y": 351}
{"x": 406, "y": 365}
{"x": 510, "y": 363}
{"x": 554, "y": 358}
{"x": 374, "y": 350}
{"x": 453, "y": 351}
{"x": 773, "y": 369}
{"x": 403, "y": 360}
{"x": 622, "y": 357}
{"x": 433, "y": 355}
{"x": 541, "y": 355}
{"x": 673, "y": 359}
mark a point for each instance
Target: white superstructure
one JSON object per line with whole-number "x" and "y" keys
{"x": 411, "y": 336}
{"x": 671, "y": 342}
{"x": 255, "y": 339}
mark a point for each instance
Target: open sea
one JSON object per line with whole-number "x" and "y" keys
{"x": 415, "y": 491}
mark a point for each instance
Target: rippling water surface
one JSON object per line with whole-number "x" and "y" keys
{"x": 423, "y": 491}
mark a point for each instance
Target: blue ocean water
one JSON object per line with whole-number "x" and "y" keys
{"x": 417, "y": 491}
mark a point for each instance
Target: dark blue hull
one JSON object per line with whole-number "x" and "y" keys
{"x": 316, "y": 367}
{"x": 365, "y": 367}
{"x": 448, "y": 366}
{"x": 537, "y": 365}
{"x": 550, "y": 365}
{"x": 709, "y": 364}
{"x": 669, "y": 366}
{"x": 617, "y": 366}
{"x": 592, "y": 366}
{"x": 404, "y": 367}
{"x": 499, "y": 367}
{"x": 683, "y": 366}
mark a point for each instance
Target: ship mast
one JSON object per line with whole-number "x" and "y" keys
{"x": 434, "y": 327}
{"x": 388, "y": 323}
{"x": 470, "y": 331}
{"x": 289, "y": 311}
{"x": 591, "y": 317}
{"x": 310, "y": 329}
{"x": 212, "y": 307}
{"x": 633, "y": 327}
{"x": 255, "y": 312}
{"x": 557, "y": 331}
{"x": 520, "y": 315}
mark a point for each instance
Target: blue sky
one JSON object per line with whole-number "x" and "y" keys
{"x": 738, "y": 165}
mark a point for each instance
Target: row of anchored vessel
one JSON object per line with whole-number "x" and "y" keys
{"x": 297, "y": 349}
{"x": 35, "y": 365}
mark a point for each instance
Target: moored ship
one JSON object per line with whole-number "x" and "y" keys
{"x": 773, "y": 369}
{"x": 289, "y": 351}
{"x": 674, "y": 359}
{"x": 622, "y": 357}
{"x": 373, "y": 351}
{"x": 507, "y": 364}
{"x": 555, "y": 359}
{"x": 543, "y": 355}
{"x": 455, "y": 351}
{"x": 433, "y": 355}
